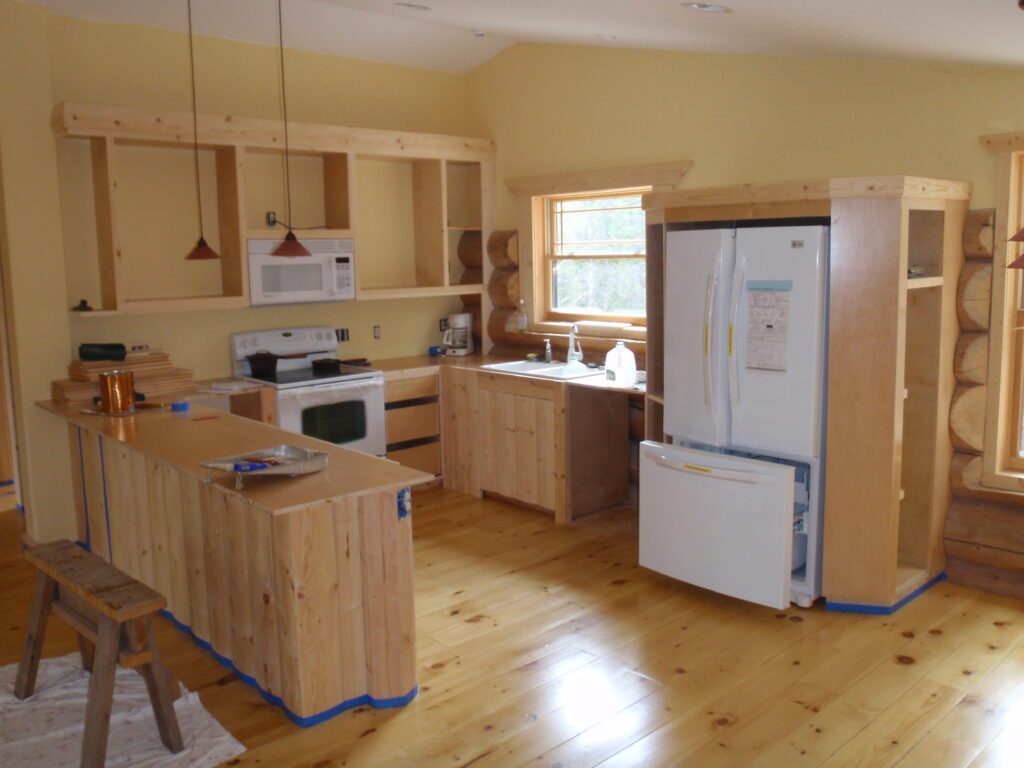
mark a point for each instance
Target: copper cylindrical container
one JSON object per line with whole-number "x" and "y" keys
{"x": 117, "y": 392}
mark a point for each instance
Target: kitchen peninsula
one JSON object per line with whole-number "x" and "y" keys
{"x": 303, "y": 585}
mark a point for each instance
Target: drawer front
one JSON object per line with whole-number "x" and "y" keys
{"x": 410, "y": 389}
{"x": 425, "y": 458}
{"x": 412, "y": 423}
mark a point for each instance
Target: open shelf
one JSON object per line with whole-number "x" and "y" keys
{"x": 320, "y": 189}
{"x": 418, "y": 291}
{"x": 915, "y": 283}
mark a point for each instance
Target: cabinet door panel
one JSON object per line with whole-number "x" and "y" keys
{"x": 526, "y": 449}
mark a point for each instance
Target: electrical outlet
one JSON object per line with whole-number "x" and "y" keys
{"x": 444, "y": 324}
{"x": 341, "y": 334}
{"x": 376, "y": 332}
{"x": 271, "y": 219}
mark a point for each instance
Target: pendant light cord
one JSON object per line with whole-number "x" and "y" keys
{"x": 284, "y": 113}
{"x": 195, "y": 121}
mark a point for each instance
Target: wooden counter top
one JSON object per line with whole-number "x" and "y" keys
{"x": 186, "y": 440}
{"x": 424, "y": 365}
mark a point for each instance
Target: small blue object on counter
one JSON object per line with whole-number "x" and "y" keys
{"x": 435, "y": 351}
{"x": 181, "y": 406}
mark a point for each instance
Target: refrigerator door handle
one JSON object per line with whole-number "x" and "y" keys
{"x": 734, "y": 310}
{"x": 709, "y": 315}
{"x": 714, "y": 473}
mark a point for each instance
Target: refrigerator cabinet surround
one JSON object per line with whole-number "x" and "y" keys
{"x": 717, "y": 521}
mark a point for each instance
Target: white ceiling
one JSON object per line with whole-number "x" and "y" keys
{"x": 979, "y": 31}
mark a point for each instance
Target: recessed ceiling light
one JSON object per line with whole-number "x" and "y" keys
{"x": 415, "y": 6}
{"x": 707, "y": 7}
{"x": 607, "y": 38}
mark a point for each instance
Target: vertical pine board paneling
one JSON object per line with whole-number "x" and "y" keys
{"x": 142, "y": 520}
{"x": 488, "y": 441}
{"x": 461, "y": 459}
{"x": 285, "y": 549}
{"x": 374, "y": 610}
{"x": 156, "y": 507}
{"x": 266, "y": 651}
{"x": 351, "y": 638}
{"x": 77, "y": 486}
{"x": 505, "y": 412}
{"x": 239, "y": 587}
{"x": 218, "y": 605}
{"x": 123, "y": 512}
{"x": 94, "y": 494}
{"x": 195, "y": 557}
{"x": 545, "y": 443}
{"x": 399, "y": 572}
{"x": 177, "y": 597}
{"x": 524, "y": 468}
{"x": 315, "y": 582}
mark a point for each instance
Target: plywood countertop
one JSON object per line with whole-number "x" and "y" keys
{"x": 186, "y": 440}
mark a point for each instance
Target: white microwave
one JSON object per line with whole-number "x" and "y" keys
{"x": 329, "y": 274}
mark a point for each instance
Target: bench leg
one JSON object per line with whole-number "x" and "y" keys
{"x": 42, "y": 600}
{"x": 88, "y": 652}
{"x": 157, "y": 683}
{"x": 101, "y": 694}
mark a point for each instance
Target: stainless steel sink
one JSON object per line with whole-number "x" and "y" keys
{"x": 542, "y": 370}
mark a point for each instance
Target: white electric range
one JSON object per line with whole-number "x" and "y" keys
{"x": 344, "y": 406}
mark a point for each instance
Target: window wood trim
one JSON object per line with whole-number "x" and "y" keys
{"x": 1002, "y": 469}
{"x": 529, "y": 193}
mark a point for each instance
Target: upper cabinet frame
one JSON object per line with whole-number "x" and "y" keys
{"x": 235, "y": 141}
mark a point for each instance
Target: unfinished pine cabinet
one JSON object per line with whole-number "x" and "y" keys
{"x": 892, "y": 340}
{"x": 406, "y": 199}
{"x": 557, "y": 447}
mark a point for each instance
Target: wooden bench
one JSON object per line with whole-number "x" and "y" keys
{"x": 112, "y": 614}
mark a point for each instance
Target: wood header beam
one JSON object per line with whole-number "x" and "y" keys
{"x": 811, "y": 189}
{"x": 125, "y": 124}
{"x": 1012, "y": 141}
{"x": 660, "y": 176}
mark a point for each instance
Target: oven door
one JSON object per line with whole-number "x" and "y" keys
{"x": 350, "y": 414}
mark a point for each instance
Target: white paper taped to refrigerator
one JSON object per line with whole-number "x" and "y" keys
{"x": 767, "y": 345}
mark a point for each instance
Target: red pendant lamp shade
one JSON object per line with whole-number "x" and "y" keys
{"x": 202, "y": 251}
{"x": 1017, "y": 263}
{"x": 290, "y": 247}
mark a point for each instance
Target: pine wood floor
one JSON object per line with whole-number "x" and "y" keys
{"x": 548, "y": 646}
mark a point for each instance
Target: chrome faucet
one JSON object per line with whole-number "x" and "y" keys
{"x": 575, "y": 349}
{"x": 547, "y": 350}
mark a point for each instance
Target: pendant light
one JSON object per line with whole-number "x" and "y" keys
{"x": 1017, "y": 263}
{"x": 202, "y": 251}
{"x": 290, "y": 247}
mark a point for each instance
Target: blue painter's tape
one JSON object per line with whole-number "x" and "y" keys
{"x": 85, "y": 493}
{"x": 4, "y": 483}
{"x": 106, "y": 502}
{"x": 303, "y": 722}
{"x": 769, "y": 285}
{"x": 20, "y": 508}
{"x": 883, "y": 610}
{"x": 404, "y": 503}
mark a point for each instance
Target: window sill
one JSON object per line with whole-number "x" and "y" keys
{"x": 592, "y": 329}
{"x": 1004, "y": 483}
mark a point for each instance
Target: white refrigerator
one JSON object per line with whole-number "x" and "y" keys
{"x": 732, "y": 502}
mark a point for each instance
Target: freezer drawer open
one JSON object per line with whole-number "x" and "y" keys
{"x": 717, "y": 521}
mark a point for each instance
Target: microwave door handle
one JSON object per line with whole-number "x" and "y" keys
{"x": 734, "y": 310}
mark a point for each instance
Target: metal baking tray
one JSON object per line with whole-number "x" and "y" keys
{"x": 286, "y": 460}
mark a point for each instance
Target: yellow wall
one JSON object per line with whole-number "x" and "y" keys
{"x": 740, "y": 118}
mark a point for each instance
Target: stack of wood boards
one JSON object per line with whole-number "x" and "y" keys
{"x": 154, "y": 375}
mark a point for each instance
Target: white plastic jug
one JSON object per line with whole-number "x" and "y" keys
{"x": 620, "y": 366}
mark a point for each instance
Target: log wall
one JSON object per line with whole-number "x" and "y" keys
{"x": 984, "y": 533}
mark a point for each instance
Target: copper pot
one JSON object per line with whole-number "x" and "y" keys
{"x": 117, "y": 392}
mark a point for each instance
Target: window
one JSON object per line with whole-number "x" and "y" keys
{"x": 595, "y": 256}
